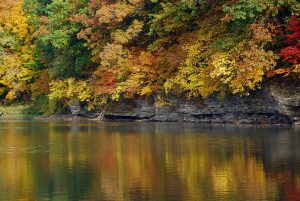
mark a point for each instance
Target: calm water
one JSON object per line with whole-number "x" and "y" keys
{"x": 89, "y": 161}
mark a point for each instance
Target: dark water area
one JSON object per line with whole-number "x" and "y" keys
{"x": 91, "y": 161}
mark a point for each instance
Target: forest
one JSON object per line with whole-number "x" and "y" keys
{"x": 55, "y": 52}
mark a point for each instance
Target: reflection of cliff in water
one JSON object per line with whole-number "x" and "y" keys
{"x": 281, "y": 150}
{"x": 281, "y": 158}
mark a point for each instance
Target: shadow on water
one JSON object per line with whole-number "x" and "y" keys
{"x": 87, "y": 161}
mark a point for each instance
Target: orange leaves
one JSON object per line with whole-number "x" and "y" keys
{"x": 43, "y": 27}
{"x": 107, "y": 83}
{"x": 264, "y": 32}
{"x": 285, "y": 71}
{"x": 114, "y": 13}
{"x": 142, "y": 72}
{"x": 5, "y": 9}
{"x": 41, "y": 85}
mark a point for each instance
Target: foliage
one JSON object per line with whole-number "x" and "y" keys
{"x": 243, "y": 12}
{"x": 17, "y": 52}
{"x": 70, "y": 89}
{"x": 292, "y": 52}
{"x": 59, "y": 50}
{"x": 97, "y": 51}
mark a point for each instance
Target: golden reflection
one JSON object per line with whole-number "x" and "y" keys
{"x": 88, "y": 162}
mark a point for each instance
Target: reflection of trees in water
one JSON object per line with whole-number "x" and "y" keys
{"x": 113, "y": 161}
{"x": 38, "y": 161}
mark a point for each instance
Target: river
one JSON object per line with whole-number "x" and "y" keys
{"x": 92, "y": 161}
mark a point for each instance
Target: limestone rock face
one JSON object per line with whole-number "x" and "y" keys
{"x": 287, "y": 96}
{"x": 75, "y": 108}
{"x": 276, "y": 103}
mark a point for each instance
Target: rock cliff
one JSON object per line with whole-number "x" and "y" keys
{"x": 276, "y": 103}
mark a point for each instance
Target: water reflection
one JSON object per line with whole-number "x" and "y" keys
{"x": 89, "y": 161}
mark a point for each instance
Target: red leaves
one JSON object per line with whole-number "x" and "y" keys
{"x": 294, "y": 27}
{"x": 291, "y": 53}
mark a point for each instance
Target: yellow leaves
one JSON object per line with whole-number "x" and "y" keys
{"x": 70, "y": 89}
{"x": 85, "y": 92}
{"x": 242, "y": 68}
{"x": 146, "y": 90}
{"x": 115, "y": 59}
{"x": 134, "y": 83}
{"x": 18, "y": 23}
{"x": 160, "y": 102}
{"x": 123, "y": 37}
{"x": 224, "y": 66}
{"x": 194, "y": 81}
{"x": 254, "y": 63}
{"x": 120, "y": 36}
{"x": 5, "y": 8}
{"x": 168, "y": 85}
{"x": 116, "y": 95}
{"x": 74, "y": 90}
{"x": 15, "y": 71}
{"x": 194, "y": 57}
{"x": 193, "y": 76}
{"x": 14, "y": 75}
{"x": 237, "y": 69}
{"x": 142, "y": 67}
{"x": 112, "y": 54}
{"x": 206, "y": 70}
{"x": 198, "y": 50}
{"x": 58, "y": 90}
{"x": 11, "y": 95}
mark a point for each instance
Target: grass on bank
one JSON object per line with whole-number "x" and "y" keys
{"x": 18, "y": 111}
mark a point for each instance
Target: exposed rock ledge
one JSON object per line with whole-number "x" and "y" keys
{"x": 276, "y": 103}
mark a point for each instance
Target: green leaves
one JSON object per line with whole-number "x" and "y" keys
{"x": 56, "y": 35}
{"x": 242, "y": 12}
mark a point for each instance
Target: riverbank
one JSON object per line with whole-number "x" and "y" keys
{"x": 70, "y": 117}
{"x": 18, "y": 112}
{"x": 274, "y": 103}
{"x": 107, "y": 118}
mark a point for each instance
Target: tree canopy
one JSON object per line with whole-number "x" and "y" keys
{"x": 97, "y": 51}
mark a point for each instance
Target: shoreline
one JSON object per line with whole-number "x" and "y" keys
{"x": 70, "y": 117}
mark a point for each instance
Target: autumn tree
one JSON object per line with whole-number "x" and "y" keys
{"x": 16, "y": 51}
{"x": 97, "y": 51}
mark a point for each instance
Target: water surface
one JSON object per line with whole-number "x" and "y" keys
{"x": 89, "y": 161}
